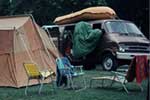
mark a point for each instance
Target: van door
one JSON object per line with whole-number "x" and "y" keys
{"x": 67, "y": 40}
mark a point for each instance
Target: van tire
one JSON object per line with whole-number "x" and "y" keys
{"x": 109, "y": 62}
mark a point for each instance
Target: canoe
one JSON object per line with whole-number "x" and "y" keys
{"x": 92, "y": 13}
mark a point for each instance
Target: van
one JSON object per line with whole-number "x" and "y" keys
{"x": 121, "y": 41}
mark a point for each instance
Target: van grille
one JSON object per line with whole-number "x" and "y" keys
{"x": 137, "y": 47}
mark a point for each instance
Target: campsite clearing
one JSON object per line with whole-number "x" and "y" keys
{"x": 94, "y": 93}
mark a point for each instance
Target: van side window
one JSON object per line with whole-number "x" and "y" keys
{"x": 70, "y": 28}
{"x": 54, "y": 32}
{"x": 97, "y": 26}
{"x": 67, "y": 39}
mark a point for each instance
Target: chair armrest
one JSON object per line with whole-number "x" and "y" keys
{"x": 46, "y": 73}
{"x": 79, "y": 66}
{"x": 119, "y": 77}
{"x": 80, "y": 70}
{"x": 118, "y": 73}
{"x": 67, "y": 68}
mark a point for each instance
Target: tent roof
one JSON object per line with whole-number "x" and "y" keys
{"x": 11, "y": 22}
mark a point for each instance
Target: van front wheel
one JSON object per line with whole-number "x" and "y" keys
{"x": 109, "y": 62}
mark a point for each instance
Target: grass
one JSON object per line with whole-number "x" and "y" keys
{"x": 94, "y": 93}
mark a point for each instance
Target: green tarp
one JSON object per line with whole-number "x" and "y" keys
{"x": 85, "y": 39}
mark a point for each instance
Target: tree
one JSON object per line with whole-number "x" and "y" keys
{"x": 4, "y": 7}
{"x": 133, "y": 10}
{"x": 45, "y": 11}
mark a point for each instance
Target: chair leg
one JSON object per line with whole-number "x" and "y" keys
{"x": 59, "y": 81}
{"x": 102, "y": 82}
{"x": 84, "y": 81}
{"x": 71, "y": 82}
{"x": 41, "y": 85}
{"x": 91, "y": 81}
{"x": 125, "y": 88}
{"x": 84, "y": 87}
{"x": 68, "y": 81}
{"x": 141, "y": 88}
{"x": 27, "y": 86}
{"x": 53, "y": 83}
{"x": 112, "y": 81}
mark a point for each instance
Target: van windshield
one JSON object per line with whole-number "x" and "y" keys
{"x": 122, "y": 27}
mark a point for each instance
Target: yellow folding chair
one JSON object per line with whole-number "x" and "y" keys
{"x": 34, "y": 73}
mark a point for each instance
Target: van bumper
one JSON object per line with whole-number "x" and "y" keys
{"x": 129, "y": 56}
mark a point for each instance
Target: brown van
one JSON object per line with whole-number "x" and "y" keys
{"x": 121, "y": 40}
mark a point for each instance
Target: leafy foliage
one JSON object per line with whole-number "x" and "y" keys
{"x": 45, "y": 11}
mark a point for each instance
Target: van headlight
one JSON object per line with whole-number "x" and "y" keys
{"x": 121, "y": 49}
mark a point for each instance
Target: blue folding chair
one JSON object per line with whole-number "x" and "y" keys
{"x": 66, "y": 72}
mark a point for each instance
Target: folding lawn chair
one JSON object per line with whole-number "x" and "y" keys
{"x": 68, "y": 71}
{"x": 34, "y": 73}
{"x": 137, "y": 69}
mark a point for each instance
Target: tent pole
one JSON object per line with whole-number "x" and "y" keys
{"x": 46, "y": 50}
{"x": 25, "y": 46}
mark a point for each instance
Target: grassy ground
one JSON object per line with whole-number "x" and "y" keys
{"x": 95, "y": 93}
